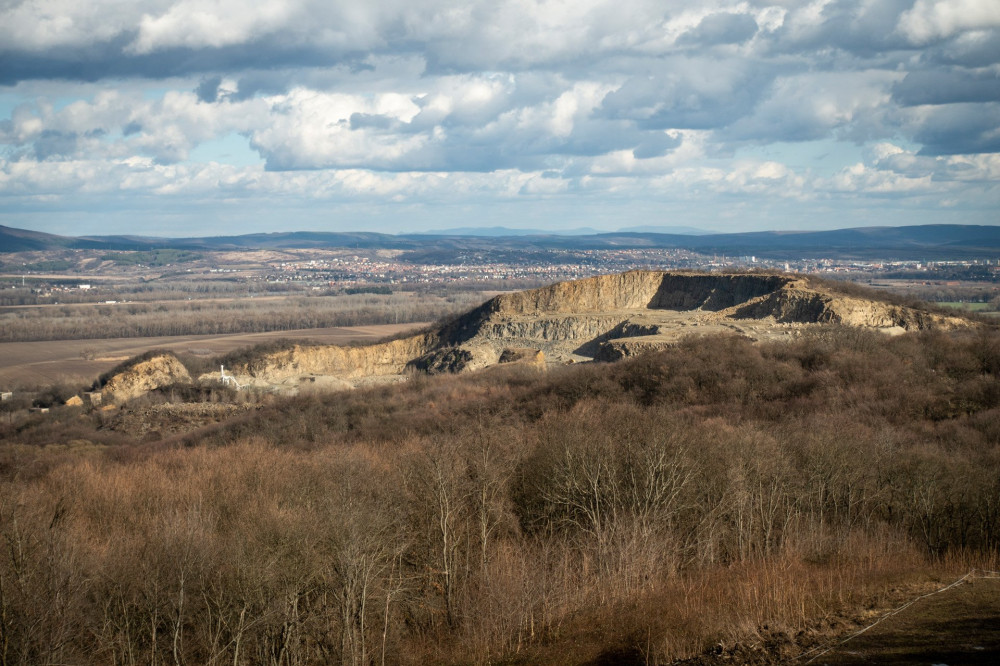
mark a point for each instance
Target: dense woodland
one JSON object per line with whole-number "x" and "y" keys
{"x": 713, "y": 495}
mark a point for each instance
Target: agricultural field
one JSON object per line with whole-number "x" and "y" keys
{"x": 68, "y": 327}
{"x": 988, "y": 309}
{"x": 205, "y": 315}
{"x": 79, "y": 362}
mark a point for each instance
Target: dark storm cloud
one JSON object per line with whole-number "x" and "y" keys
{"x": 92, "y": 62}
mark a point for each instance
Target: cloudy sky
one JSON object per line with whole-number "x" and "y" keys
{"x": 196, "y": 117}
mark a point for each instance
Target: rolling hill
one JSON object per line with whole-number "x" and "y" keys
{"x": 931, "y": 242}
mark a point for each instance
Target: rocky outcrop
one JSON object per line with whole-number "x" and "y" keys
{"x": 143, "y": 377}
{"x": 795, "y": 303}
{"x": 566, "y": 328}
{"x": 439, "y": 361}
{"x": 522, "y": 356}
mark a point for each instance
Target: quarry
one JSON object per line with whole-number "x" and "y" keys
{"x": 603, "y": 318}
{"x": 595, "y": 467}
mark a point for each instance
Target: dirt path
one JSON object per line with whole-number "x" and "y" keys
{"x": 42, "y": 363}
{"x": 957, "y": 626}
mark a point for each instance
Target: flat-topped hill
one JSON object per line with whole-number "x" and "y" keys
{"x": 603, "y": 318}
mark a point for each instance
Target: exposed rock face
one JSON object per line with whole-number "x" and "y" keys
{"x": 523, "y": 356}
{"x": 448, "y": 359}
{"x": 145, "y": 376}
{"x": 387, "y": 358}
{"x": 641, "y": 290}
{"x": 804, "y": 306}
{"x": 605, "y": 317}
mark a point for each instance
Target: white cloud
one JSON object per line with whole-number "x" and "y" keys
{"x": 936, "y": 19}
{"x": 861, "y": 178}
{"x": 45, "y": 24}
{"x": 115, "y": 125}
{"x": 309, "y": 129}
{"x": 891, "y": 170}
{"x": 812, "y": 106}
{"x": 764, "y": 179}
{"x": 211, "y": 23}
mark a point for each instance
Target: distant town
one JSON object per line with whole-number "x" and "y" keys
{"x": 48, "y": 273}
{"x": 563, "y": 265}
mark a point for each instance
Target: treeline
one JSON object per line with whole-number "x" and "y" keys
{"x": 163, "y": 257}
{"x": 159, "y": 290}
{"x": 719, "y": 492}
{"x": 246, "y": 315}
{"x": 961, "y": 294}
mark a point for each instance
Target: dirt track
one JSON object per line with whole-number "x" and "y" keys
{"x": 958, "y": 626}
{"x": 24, "y": 364}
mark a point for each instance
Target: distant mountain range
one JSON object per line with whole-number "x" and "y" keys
{"x": 499, "y": 232}
{"x": 932, "y": 242}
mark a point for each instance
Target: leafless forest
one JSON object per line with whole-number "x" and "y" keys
{"x": 715, "y": 496}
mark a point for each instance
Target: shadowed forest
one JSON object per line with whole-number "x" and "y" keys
{"x": 718, "y": 497}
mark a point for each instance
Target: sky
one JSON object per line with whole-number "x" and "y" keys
{"x": 206, "y": 117}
